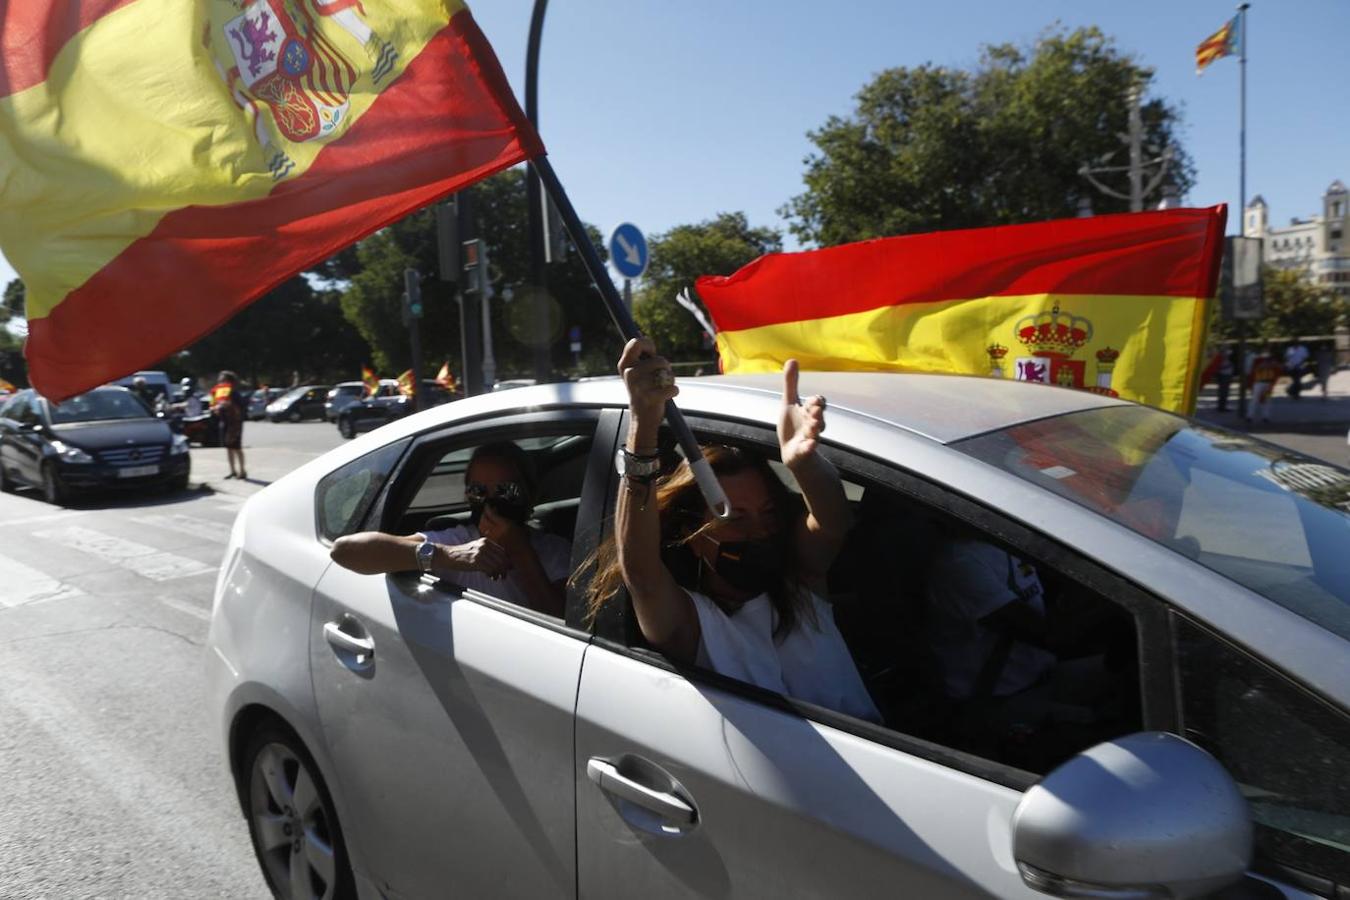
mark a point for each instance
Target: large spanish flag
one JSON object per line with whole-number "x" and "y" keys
{"x": 1112, "y": 304}
{"x": 165, "y": 162}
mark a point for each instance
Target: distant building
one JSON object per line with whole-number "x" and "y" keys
{"x": 1320, "y": 245}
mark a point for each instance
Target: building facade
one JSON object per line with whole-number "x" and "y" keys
{"x": 1320, "y": 244}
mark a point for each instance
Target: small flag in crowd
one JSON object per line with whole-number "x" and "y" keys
{"x": 1221, "y": 43}
{"x": 170, "y": 162}
{"x": 445, "y": 379}
{"x": 370, "y": 381}
{"x": 1115, "y": 304}
{"x": 405, "y": 383}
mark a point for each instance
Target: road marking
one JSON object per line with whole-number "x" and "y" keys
{"x": 142, "y": 559}
{"x": 45, "y": 517}
{"x": 232, "y": 501}
{"x": 216, "y": 532}
{"x": 21, "y": 585}
{"x": 184, "y": 607}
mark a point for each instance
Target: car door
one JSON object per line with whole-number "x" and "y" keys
{"x": 691, "y": 784}
{"x": 27, "y": 440}
{"x": 449, "y": 713}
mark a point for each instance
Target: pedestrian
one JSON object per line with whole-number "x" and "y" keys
{"x": 1324, "y": 361}
{"x": 228, "y": 405}
{"x": 1227, "y": 366}
{"x": 192, "y": 401}
{"x": 1295, "y": 361}
{"x": 1263, "y": 373}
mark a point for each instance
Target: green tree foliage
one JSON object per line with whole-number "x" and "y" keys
{"x": 931, "y": 148}
{"x": 11, "y": 307}
{"x": 372, "y": 300}
{"x": 292, "y": 332}
{"x": 1295, "y": 305}
{"x": 718, "y": 246}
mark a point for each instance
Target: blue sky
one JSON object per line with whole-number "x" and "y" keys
{"x": 663, "y": 113}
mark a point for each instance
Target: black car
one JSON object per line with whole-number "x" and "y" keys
{"x": 106, "y": 438}
{"x": 372, "y": 412}
{"x": 304, "y": 402}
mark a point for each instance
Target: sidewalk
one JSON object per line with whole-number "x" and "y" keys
{"x": 1310, "y": 413}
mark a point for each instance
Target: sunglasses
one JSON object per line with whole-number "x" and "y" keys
{"x": 510, "y": 491}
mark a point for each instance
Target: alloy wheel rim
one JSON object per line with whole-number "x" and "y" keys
{"x": 292, "y": 825}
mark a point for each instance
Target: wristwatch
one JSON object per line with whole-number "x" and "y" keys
{"x": 426, "y": 551}
{"x": 642, "y": 468}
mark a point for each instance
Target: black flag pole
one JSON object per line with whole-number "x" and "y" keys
{"x": 703, "y": 473}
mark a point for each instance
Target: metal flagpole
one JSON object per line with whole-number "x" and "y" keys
{"x": 703, "y": 473}
{"x": 1242, "y": 192}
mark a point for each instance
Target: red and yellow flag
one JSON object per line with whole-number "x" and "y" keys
{"x": 445, "y": 378}
{"x": 1221, "y": 43}
{"x": 163, "y": 163}
{"x": 405, "y": 383}
{"x": 1112, "y": 304}
{"x": 370, "y": 381}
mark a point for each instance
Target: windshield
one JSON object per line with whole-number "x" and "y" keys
{"x": 1271, "y": 520}
{"x": 293, "y": 393}
{"x": 97, "y": 405}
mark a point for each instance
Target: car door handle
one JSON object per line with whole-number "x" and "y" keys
{"x": 363, "y": 648}
{"x": 664, "y": 804}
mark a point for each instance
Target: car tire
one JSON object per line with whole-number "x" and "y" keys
{"x": 346, "y": 428}
{"x": 179, "y": 484}
{"x": 53, "y": 491}
{"x": 295, "y": 415}
{"x": 6, "y": 486}
{"x": 300, "y": 850}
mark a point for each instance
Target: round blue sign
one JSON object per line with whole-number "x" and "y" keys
{"x": 628, "y": 250}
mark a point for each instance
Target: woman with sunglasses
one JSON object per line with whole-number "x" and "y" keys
{"x": 496, "y": 552}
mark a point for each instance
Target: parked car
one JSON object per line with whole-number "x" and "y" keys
{"x": 386, "y": 406}
{"x": 260, "y": 399}
{"x": 391, "y": 736}
{"x": 342, "y": 396}
{"x": 304, "y": 402}
{"x": 104, "y": 439}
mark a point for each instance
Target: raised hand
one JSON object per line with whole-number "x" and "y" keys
{"x": 648, "y": 377}
{"x": 511, "y": 536}
{"x": 800, "y": 422}
{"x": 479, "y": 555}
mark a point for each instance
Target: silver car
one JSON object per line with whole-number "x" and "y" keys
{"x": 396, "y": 736}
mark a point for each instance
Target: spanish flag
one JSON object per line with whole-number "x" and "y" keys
{"x": 1221, "y": 43}
{"x": 1112, "y": 304}
{"x": 370, "y": 381}
{"x": 163, "y": 162}
{"x": 445, "y": 378}
{"x": 406, "y": 382}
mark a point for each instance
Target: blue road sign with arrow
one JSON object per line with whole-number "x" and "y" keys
{"x": 628, "y": 250}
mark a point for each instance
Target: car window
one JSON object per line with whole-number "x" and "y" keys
{"x": 98, "y": 405}
{"x": 1271, "y": 520}
{"x": 1288, "y": 750}
{"x": 15, "y": 407}
{"x": 520, "y": 491}
{"x": 344, "y": 496}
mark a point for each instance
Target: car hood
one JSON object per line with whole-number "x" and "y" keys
{"x": 113, "y": 433}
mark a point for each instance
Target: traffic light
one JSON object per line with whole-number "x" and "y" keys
{"x": 470, "y": 260}
{"x": 447, "y": 238}
{"x": 412, "y": 299}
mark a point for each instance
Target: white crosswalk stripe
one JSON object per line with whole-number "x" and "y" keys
{"x": 21, "y": 585}
{"x": 142, "y": 559}
{"x": 216, "y": 532}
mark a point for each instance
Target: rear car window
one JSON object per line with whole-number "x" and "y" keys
{"x": 1267, "y": 518}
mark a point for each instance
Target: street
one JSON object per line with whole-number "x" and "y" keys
{"x": 115, "y": 785}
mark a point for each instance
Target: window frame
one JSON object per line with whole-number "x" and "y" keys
{"x": 616, "y": 630}
{"x": 428, "y": 447}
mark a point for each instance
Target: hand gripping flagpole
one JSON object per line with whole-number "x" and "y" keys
{"x": 703, "y": 473}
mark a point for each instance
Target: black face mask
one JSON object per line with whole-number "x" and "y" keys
{"x": 750, "y": 566}
{"x": 507, "y": 509}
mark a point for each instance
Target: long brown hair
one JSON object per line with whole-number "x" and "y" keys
{"x": 684, "y": 516}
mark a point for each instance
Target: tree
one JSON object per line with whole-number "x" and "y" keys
{"x": 931, "y": 147}
{"x": 718, "y": 246}
{"x": 372, "y": 300}
{"x": 1295, "y": 305}
{"x": 11, "y": 307}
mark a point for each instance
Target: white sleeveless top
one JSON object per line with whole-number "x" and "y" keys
{"x": 811, "y": 663}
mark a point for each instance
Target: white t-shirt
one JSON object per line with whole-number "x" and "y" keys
{"x": 811, "y": 663}
{"x": 967, "y": 581}
{"x": 555, "y": 555}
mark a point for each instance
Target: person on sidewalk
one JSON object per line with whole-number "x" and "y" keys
{"x": 227, "y": 403}
{"x": 1224, "y": 377}
{"x": 1324, "y": 361}
{"x": 1264, "y": 372}
{"x": 1295, "y": 365}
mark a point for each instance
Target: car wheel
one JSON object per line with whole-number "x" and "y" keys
{"x": 292, "y": 822}
{"x": 294, "y": 416}
{"x": 179, "y": 484}
{"x": 346, "y": 428}
{"x": 53, "y": 490}
{"x": 6, "y": 486}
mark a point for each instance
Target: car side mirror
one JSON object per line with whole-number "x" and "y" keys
{"x": 1145, "y": 816}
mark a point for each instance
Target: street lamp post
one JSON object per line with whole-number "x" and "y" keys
{"x": 534, "y": 198}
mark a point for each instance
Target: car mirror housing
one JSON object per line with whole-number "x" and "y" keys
{"x": 1143, "y": 816}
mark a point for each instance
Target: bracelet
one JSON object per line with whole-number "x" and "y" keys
{"x": 633, "y": 482}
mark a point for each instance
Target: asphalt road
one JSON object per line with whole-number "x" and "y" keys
{"x": 113, "y": 783}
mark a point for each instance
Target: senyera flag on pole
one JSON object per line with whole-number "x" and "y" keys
{"x": 163, "y": 163}
{"x": 1113, "y": 304}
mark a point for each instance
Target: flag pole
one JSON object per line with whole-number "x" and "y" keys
{"x": 1242, "y": 193}
{"x": 703, "y": 473}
